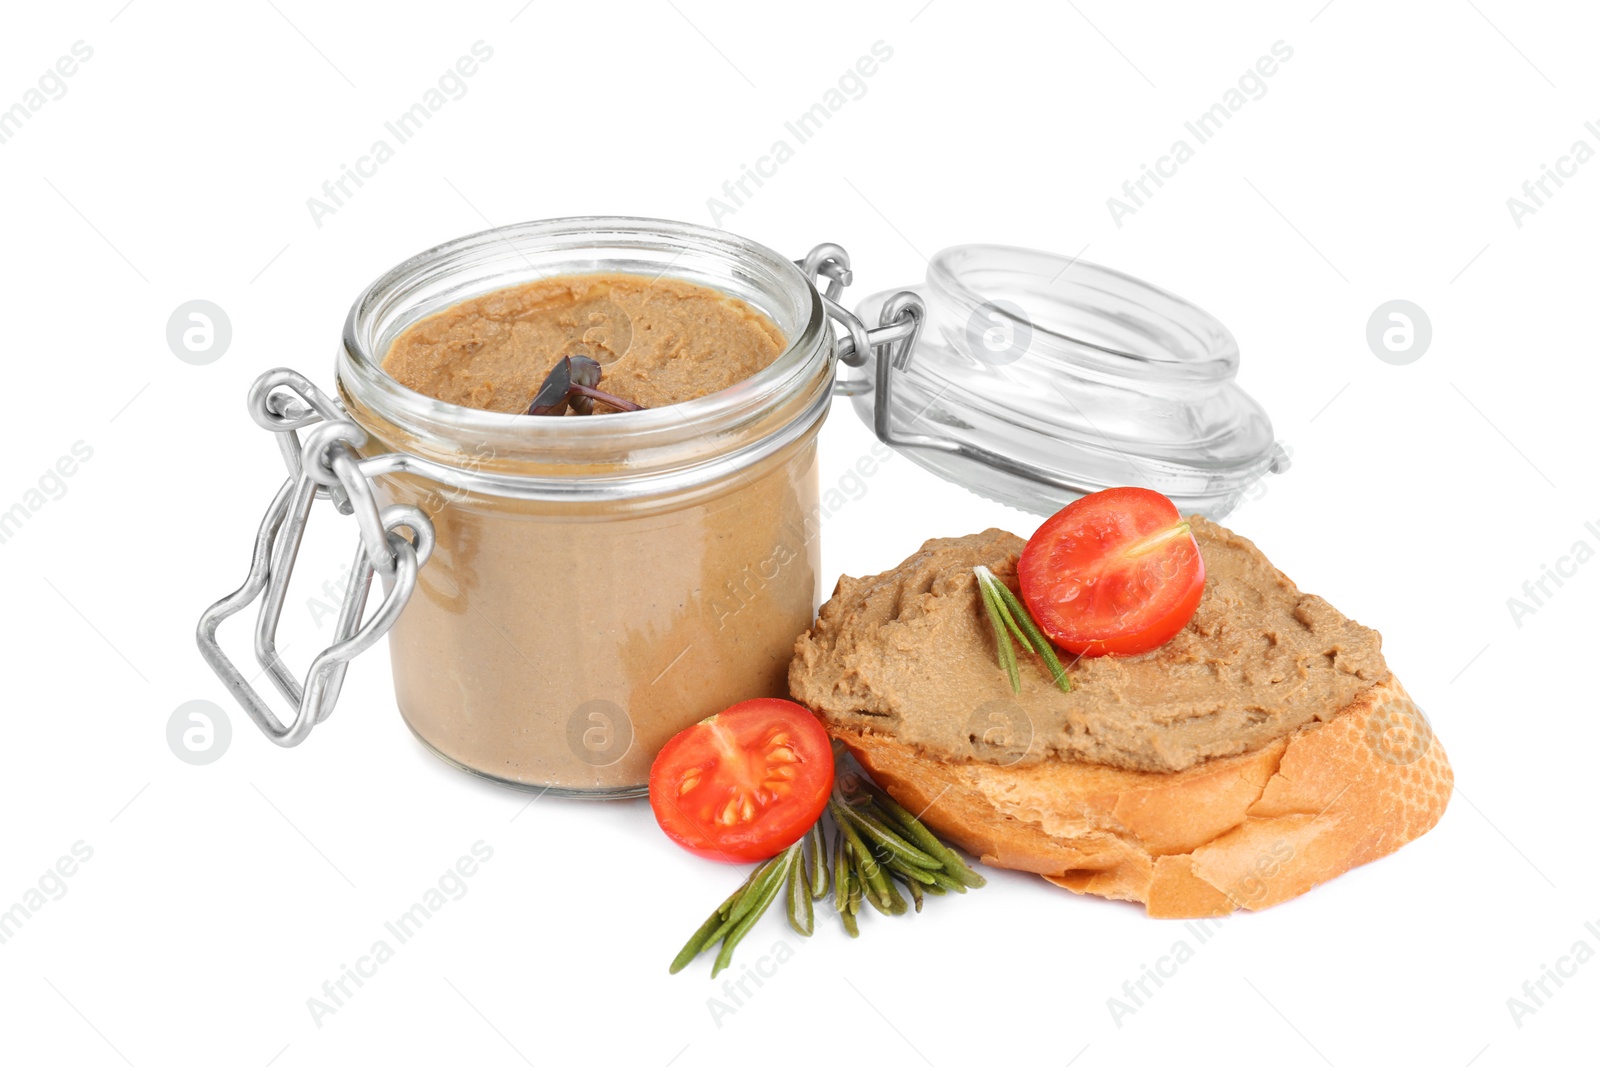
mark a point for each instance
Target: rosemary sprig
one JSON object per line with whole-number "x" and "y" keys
{"x": 877, "y": 846}
{"x": 1011, "y": 621}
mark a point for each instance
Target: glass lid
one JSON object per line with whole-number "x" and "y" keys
{"x": 1050, "y": 377}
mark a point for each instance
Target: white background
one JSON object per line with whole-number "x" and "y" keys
{"x": 1376, "y": 166}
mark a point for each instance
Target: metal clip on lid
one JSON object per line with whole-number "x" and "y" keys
{"x": 899, "y": 322}
{"x": 325, "y": 466}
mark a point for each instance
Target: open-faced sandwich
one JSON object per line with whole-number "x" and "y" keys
{"x": 1183, "y": 727}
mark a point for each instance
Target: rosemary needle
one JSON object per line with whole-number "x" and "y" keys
{"x": 841, "y": 876}
{"x": 998, "y": 590}
{"x": 850, "y": 925}
{"x": 1035, "y": 636}
{"x": 801, "y": 916}
{"x": 817, "y": 869}
{"x": 914, "y": 886}
{"x": 1002, "y": 638}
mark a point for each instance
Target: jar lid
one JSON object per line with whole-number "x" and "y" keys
{"x": 1052, "y": 377}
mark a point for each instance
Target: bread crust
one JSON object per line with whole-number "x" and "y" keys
{"x": 1246, "y": 831}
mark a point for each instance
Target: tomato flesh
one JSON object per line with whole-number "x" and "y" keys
{"x": 1115, "y": 573}
{"x": 744, "y": 784}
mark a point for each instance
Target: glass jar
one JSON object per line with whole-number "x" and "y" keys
{"x": 596, "y": 584}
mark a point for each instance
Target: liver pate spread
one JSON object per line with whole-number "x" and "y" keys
{"x": 659, "y": 341}
{"x": 910, "y": 654}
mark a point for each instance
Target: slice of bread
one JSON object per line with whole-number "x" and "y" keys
{"x": 1244, "y": 831}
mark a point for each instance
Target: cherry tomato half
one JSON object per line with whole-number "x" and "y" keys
{"x": 744, "y": 784}
{"x": 1115, "y": 573}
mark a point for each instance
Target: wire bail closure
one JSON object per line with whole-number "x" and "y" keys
{"x": 899, "y": 323}
{"x": 892, "y": 341}
{"x": 325, "y": 465}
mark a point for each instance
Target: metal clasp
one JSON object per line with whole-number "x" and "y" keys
{"x": 891, "y": 342}
{"x": 899, "y": 324}
{"x": 325, "y": 465}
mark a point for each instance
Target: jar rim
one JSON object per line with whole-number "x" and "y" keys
{"x": 638, "y": 442}
{"x": 1161, "y": 336}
